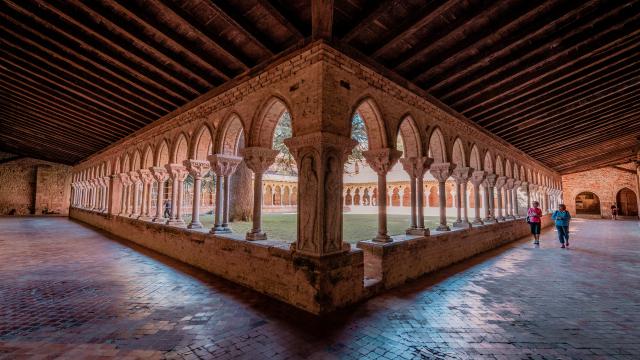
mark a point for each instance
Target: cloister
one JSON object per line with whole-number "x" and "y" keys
{"x": 319, "y": 179}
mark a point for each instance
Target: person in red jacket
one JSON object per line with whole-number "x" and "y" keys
{"x": 534, "y": 218}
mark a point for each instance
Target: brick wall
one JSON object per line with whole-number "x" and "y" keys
{"x": 28, "y": 186}
{"x": 604, "y": 183}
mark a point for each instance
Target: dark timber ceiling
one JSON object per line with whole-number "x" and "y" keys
{"x": 560, "y": 80}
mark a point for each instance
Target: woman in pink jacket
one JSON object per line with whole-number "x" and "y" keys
{"x": 534, "y": 218}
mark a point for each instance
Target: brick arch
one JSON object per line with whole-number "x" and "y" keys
{"x": 124, "y": 165}
{"x": 162, "y": 154}
{"x": 230, "y": 135}
{"x": 475, "y": 161}
{"x": 136, "y": 160}
{"x": 202, "y": 143}
{"x": 499, "y": 165}
{"x": 508, "y": 169}
{"x": 373, "y": 122}
{"x": 264, "y": 123}
{"x": 523, "y": 173}
{"x": 180, "y": 150}
{"x": 458, "y": 153}
{"x": 437, "y": 146}
{"x": 488, "y": 162}
{"x": 147, "y": 157}
{"x": 410, "y": 135}
{"x": 115, "y": 166}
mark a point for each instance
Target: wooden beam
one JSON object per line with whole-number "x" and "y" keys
{"x": 375, "y": 11}
{"x": 283, "y": 18}
{"x": 321, "y": 19}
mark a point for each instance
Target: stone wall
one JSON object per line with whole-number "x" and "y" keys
{"x": 29, "y": 186}
{"x": 317, "y": 285}
{"x": 395, "y": 263}
{"x": 605, "y": 182}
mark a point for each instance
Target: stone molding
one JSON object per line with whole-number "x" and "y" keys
{"x": 441, "y": 171}
{"x": 416, "y": 167}
{"x": 382, "y": 160}
{"x": 224, "y": 165}
{"x": 258, "y": 159}
{"x": 197, "y": 168}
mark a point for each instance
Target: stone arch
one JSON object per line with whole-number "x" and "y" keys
{"x": 277, "y": 195}
{"x": 266, "y": 119}
{"x": 147, "y": 158}
{"x": 627, "y": 202}
{"x": 587, "y": 203}
{"x": 474, "y": 158}
{"x": 230, "y": 133}
{"x": 395, "y": 196}
{"x": 508, "y": 169}
{"x": 458, "y": 153}
{"x": 136, "y": 160}
{"x": 348, "y": 200}
{"x": 286, "y": 197}
{"x": 115, "y": 166}
{"x": 162, "y": 154}
{"x": 373, "y": 122}
{"x": 180, "y": 151}
{"x": 433, "y": 197}
{"x": 516, "y": 174}
{"x": 488, "y": 162}
{"x": 437, "y": 146}
{"x": 202, "y": 143}
{"x": 268, "y": 195}
{"x": 410, "y": 135}
{"x": 499, "y": 166}
{"x": 529, "y": 176}
{"x": 125, "y": 163}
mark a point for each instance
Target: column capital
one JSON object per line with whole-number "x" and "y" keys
{"x": 134, "y": 177}
{"x": 477, "y": 177}
{"x": 159, "y": 173}
{"x": 509, "y": 184}
{"x": 490, "y": 180}
{"x": 224, "y": 165}
{"x": 258, "y": 159}
{"x": 462, "y": 174}
{"x": 145, "y": 176}
{"x": 197, "y": 168}
{"x": 342, "y": 144}
{"x": 416, "y": 166}
{"x": 441, "y": 171}
{"x": 124, "y": 177}
{"x": 177, "y": 171}
{"x": 382, "y": 160}
{"x": 500, "y": 182}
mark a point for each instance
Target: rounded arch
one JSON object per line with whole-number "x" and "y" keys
{"x": 136, "y": 160}
{"x": 508, "y": 170}
{"x": 523, "y": 173}
{"x": 125, "y": 163}
{"x": 230, "y": 134}
{"x": 529, "y": 176}
{"x": 437, "y": 146}
{"x": 162, "y": 153}
{"x": 264, "y": 123}
{"x": 499, "y": 166}
{"x": 373, "y": 122}
{"x": 202, "y": 144}
{"x": 627, "y": 202}
{"x": 410, "y": 137}
{"x": 147, "y": 157}
{"x": 474, "y": 158}
{"x": 180, "y": 151}
{"x": 488, "y": 162}
{"x": 457, "y": 153}
{"x": 587, "y": 203}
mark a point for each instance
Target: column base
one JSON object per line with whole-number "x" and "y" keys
{"x": 194, "y": 225}
{"x": 134, "y": 215}
{"x": 501, "y": 218}
{"x": 442, "y": 227}
{"x": 159, "y": 220}
{"x": 461, "y": 225}
{"x": 382, "y": 238}
{"x": 259, "y": 235}
{"x": 144, "y": 218}
{"x": 219, "y": 229}
{"x": 176, "y": 222}
{"x": 477, "y": 222}
{"x": 510, "y": 217}
{"x": 489, "y": 221}
{"x": 418, "y": 232}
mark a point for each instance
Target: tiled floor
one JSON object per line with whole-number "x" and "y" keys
{"x": 68, "y": 291}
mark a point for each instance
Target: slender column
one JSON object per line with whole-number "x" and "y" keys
{"x": 461, "y": 175}
{"x": 223, "y": 166}
{"x": 227, "y": 195}
{"x": 516, "y": 205}
{"x": 477, "y": 178}
{"x": 198, "y": 169}
{"x": 416, "y": 167}
{"x": 381, "y": 161}
{"x": 465, "y": 206}
{"x": 500, "y": 181}
{"x": 124, "y": 179}
{"x": 441, "y": 172}
{"x": 135, "y": 196}
{"x": 106, "y": 185}
{"x": 146, "y": 178}
{"x": 508, "y": 195}
{"x": 490, "y": 182}
{"x": 177, "y": 174}
{"x": 258, "y": 160}
{"x": 161, "y": 176}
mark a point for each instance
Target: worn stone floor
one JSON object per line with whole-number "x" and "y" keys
{"x": 68, "y": 291}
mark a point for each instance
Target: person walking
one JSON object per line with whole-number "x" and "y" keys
{"x": 562, "y": 219}
{"x": 534, "y": 218}
{"x": 614, "y": 212}
{"x": 167, "y": 209}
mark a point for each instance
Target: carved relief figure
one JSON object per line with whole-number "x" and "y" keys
{"x": 308, "y": 194}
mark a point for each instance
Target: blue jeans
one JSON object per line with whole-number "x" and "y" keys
{"x": 563, "y": 234}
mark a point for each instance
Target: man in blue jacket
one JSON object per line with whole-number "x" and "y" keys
{"x": 562, "y": 218}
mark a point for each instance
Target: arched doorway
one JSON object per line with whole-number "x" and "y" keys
{"x": 587, "y": 203}
{"x": 627, "y": 202}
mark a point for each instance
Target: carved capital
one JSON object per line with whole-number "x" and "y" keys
{"x": 198, "y": 168}
{"x": 516, "y": 183}
{"x": 159, "y": 173}
{"x": 416, "y": 166}
{"x": 490, "y": 180}
{"x": 441, "y": 171}
{"x": 258, "y": 159}
{"x": 477, "y": 177}
{"x": 382, "y": 160}
{"x": 145, "y": 176}
{"x": 500, "y": 182}
{"x": 124, "y": 178}
{"x": 134, "y": 177}
{"x": 509, "y": 184}
{"x": 224, "y": 165}
{"x": 461, "y": 174}
{"x": 177, "y": 172}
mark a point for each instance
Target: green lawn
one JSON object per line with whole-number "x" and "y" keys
{"x": 356, "y": 226}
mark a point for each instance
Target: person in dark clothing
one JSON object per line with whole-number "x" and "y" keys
{"x": 614, "y": 212}
{"x": 562, "y": 219}
{"x": 167, "y": 209}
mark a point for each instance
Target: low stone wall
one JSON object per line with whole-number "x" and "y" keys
{"x": 317, "y": 285}
{"x": 392, "y": 264}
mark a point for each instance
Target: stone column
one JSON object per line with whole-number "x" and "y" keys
{"x": 320, "y": 158}
{"x": 106, "y": 184}
{"x": 223, "y": 166}
{"x": 124, "y": 180}
{"x": 500, "y": 182}
{"x": 381, "y": 161}
{"x": 477, "y": 178}
{"x": 514, "y": 192}
{"x": 525, "y": 187}
{"x": 416, "y": 167}
{"x": 461, "y": 176}
{"x": 441, "y": 172}
{"x": 161, "y": 176}
{"x": 177, "y": 174}
{"x": 490, "y": 182}
{"x": 198, "y": 169}
{"x": 135, "y": 196}
{"x": 258, "y": 160}
{"x": 147, "y": 179}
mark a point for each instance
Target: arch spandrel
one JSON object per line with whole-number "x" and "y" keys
{"x": 136, "y": 160}
{"x": 266, "y": 120}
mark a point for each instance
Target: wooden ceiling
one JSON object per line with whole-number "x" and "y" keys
{"x": 558, "y": 79}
